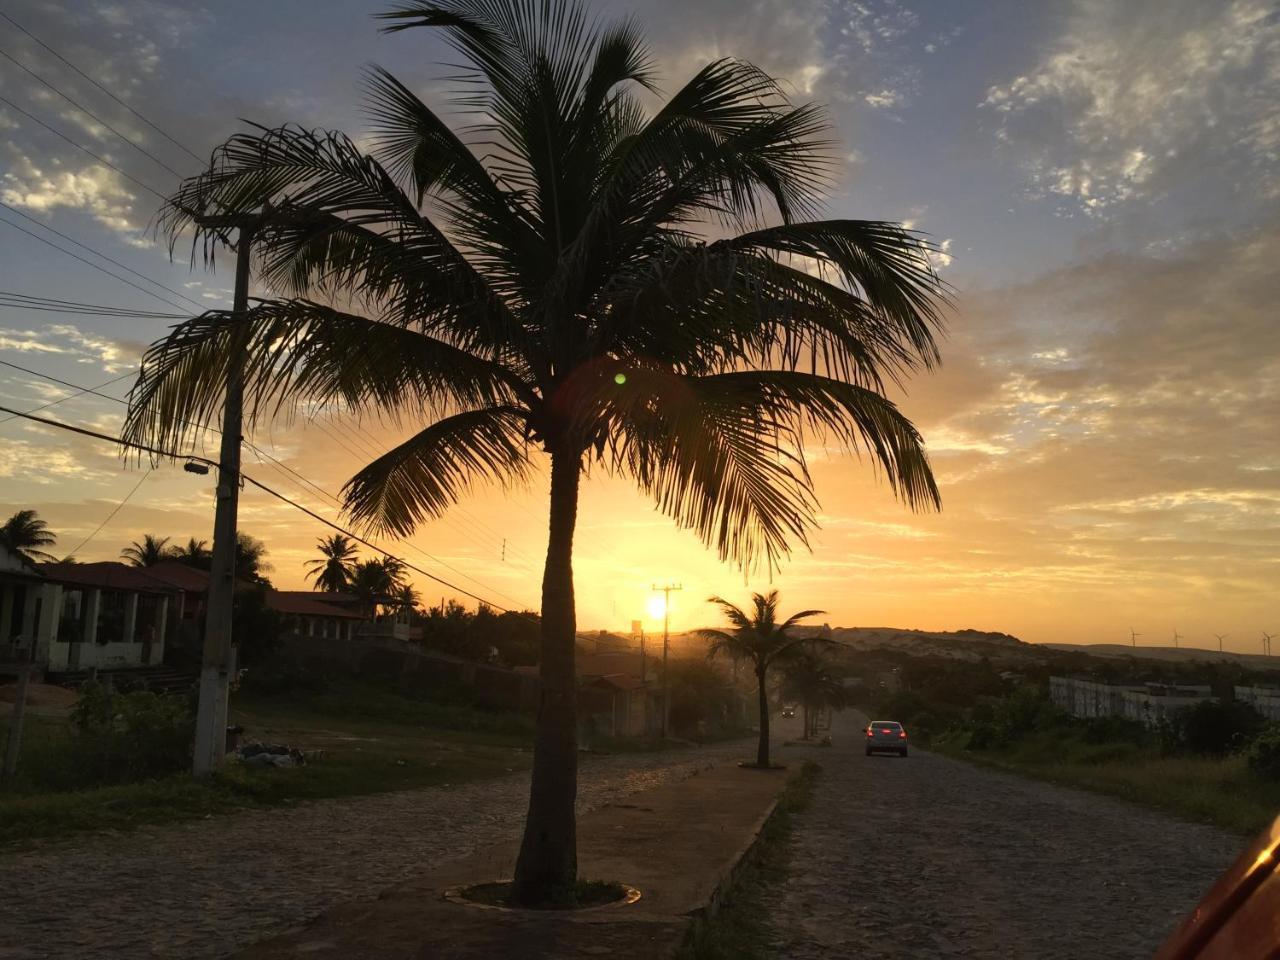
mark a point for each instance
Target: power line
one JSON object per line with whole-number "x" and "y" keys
{"x": 255, "y": 449}
{"x": 22, "y": 301}
{"x": 80, "y": 391}
{"x": 90, "y": 263}
{"x": 98, "y": 529}
{"x": 80, "y": 146}
{"x": 171, "y": 455}
{"x": 84, "y": 246}
{"x": 122, "y": 103}
{"x": 89, "y": 113}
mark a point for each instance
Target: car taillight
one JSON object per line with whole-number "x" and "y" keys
{"x": 902, "y": 735}
{"x": 871, "y": 733}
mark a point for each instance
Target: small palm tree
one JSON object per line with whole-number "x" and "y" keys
{"x": 760, "y": 639}
{"x": 25, "y": 534}
{"x": 148, "y": 553}
{"x": 332, "y": 572}
{"x": 535, "y": 292}
{"x": 194, "y": 554}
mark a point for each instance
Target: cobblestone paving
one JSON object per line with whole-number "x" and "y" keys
{"x": 206, "y": 888}
{"x": 930, "y": 857}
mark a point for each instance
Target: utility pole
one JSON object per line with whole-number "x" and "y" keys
{"x": 216, "y": 666}
{"x": 666, "y": 644}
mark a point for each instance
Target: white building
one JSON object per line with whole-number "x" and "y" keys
{"x": 67, "y": 617}
{"x": 1148, "y": 703}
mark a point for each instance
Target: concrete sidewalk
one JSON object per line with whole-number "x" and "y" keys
{"x": 677, "y": 843}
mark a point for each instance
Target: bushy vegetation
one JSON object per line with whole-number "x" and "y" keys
{"x": 1264, "y": 755}
{"x": 110, "y": 738}
{"x": 703, "y": 701}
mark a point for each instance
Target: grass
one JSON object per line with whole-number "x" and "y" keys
{"x": 370, "y": 745}
{"x": 1215, "y": 790}
{"x": 742, "y": 929}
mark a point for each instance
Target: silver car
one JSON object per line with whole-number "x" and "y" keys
{"x": 886, "y": 736}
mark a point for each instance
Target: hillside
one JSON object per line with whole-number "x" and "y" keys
{"x": 1254, "y": 661}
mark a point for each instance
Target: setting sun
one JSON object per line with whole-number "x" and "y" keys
{"x": 657, "y": 607}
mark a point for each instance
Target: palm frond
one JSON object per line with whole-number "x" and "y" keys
{"x": 294, "y": 352}
{"x": 427, "y": 473}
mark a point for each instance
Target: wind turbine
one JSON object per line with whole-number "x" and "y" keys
{"x": 1176, "y": 637}
{"x": 1133, "y": 637}
{"x": 1221, "y": 637}
{"x": 1266, "y": 643}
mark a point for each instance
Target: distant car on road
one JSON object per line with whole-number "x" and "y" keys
{"x": 788, "y": 711}
{"x": 886, "y": 736}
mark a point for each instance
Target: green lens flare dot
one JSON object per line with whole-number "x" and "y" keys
{"x": 619, "y": 378}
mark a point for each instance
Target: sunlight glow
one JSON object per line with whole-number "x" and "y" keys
{"x": 657, "y": 607}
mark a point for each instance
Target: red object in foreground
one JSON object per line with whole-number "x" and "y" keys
{"x": 1239, "y": 919}
{"x": 902, "y": 735}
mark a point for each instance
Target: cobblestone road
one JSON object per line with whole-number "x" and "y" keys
{"x": 930, "y": 857}
{"x": 205, "y": 888}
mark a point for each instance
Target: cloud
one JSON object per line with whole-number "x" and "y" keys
{"x": 113, "y": 356}
{"x": 1136, "y": 98}
{"x": 48, "y": 185}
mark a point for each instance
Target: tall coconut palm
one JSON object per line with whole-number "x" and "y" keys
{"x": 149, "y": 552}
{"x": 761, "y": 640}
{"x": 332, "y": 572}
{"x": 25, "y": 533}
{"x": 377, "y": 583}
{"x": 576, "y": 281}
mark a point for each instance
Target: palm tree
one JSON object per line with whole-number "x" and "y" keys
{"x": 148, "y": 553}
{"x": 376, "y": 583}
{"x": 760, "y": 639}
{"x": 536, "y": 291}
{"x": 25, "y": 533}
{"x": 251, "y": 563}
{"x": 332, "y": 572}
{"x": 195, "y": 553}
{"x": 812, "y": 679}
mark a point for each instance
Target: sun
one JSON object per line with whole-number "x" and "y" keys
{"x": 657, "y": 607}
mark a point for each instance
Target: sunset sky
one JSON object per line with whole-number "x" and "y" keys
{"x": 1103, "y": 179}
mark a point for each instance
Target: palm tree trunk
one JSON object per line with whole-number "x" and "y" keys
{"x": 547, "y": 867}
{"x": 762, "y": 751}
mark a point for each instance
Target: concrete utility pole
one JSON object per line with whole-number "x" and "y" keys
{"x": 217, "y": 665}
{"x": 667, "y": 590}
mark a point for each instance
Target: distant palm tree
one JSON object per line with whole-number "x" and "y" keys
{"x": 149, "y": 552}
{"x": 407, "y": 599}
{"x": 332, "y": 572}
{"x": 760, "y": 639}
{"x": 25, "y": 533}
{"x": 811, "y": 678}
{"x": 195, "y": 553}
{"x": 542, "y": 294}
{"x": 376, "y": 583}
{"x": 251, "y": 564}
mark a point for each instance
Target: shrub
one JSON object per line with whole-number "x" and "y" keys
{"x": 122, "y": 737}
{"x": 1216, "y": 727}
{"x": 1264, "y": 754}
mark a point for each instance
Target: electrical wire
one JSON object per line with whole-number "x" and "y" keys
{"x": 81, "y": 147}
{"x": 171, "y": 455}
{"x": 90, "y": 263}
{"x": 84, "y": 246}
{"x": 136, "y": 113}
{"x": 89, "y": 113}
{"x": 98, "y": 529}
{"x": 259, "y": 452}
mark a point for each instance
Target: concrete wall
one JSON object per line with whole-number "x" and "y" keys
{"x": 1266, "y": 700}
{"x": 1148, "y": 704}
